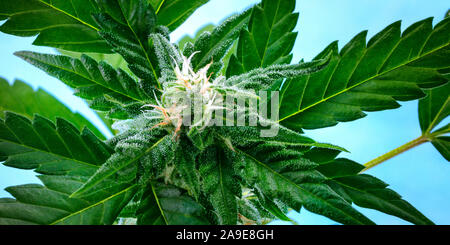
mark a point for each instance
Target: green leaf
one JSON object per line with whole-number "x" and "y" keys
{"x": 51, "y": 205}
{"x": 246, "y": 135}
{"x": 264, "y": 78}
{"x": 168, "y": 205}
{"x": 367, "y": 191}
{"x": 269, "y": 39}
{"x": 368, "y": 77}
{"x": 185, "y": 156}
{"x": 126, "y": 26}
{"x": 299, "y": 188}
{"x": 442, "y": 144}
{"x": 107, "y": 89}
{"x": 279, "y": 170}
{"x": 60, "y": 24}
{"x": 67, "y": 158}
{"x": 123, "y": 164}
{"x": 115, "y": 60}
{"x": 434, "y": 108}
{"x": 21, "y": 98}
{"x": 252, "y": 212}
{"x": 167, "y": 54}
{"x": 172, "y": 13}
{"x": 219, "y": 184}
{"x": 272, "y": 207}
{"x": 214, "y": 45}
{"x": 49, "y": 148}
{"x": 188, "y": 39}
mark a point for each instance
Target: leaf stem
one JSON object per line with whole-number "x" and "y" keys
{"x": 397, "y": 151}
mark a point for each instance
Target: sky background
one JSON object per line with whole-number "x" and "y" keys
{"x": 420, "y": 175}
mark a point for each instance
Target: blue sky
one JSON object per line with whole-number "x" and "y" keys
{"x": 421, "y": 175}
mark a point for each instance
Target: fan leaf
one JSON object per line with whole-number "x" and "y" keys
{"x": 365, "y": 190}
{"x": 214, "y": 45}
{"x": 168, "y": 205}
{"x": 66, "y": 158}
{"x": 126, "y": 26}
{"x": 300, "y": 189}
{"x": 60, "y": 24}
{"x": 172, "y": 13}
{"x": 219, "y": 184}
{"x": 433, "y": 109}
{"x": 269, "y": 38}
{"x": 368, "y": 77}
{"x": 124, "y": 162}
{"x": 21, "y": 98}
{"x": 107, "y": 89}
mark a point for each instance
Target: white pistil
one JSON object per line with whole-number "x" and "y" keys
{"x": 188, "y": 83}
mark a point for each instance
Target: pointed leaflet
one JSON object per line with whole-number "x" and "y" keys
{"x": 275, "y": 168}
{"x": 51, "y": 205}
{"x": 167, "y": 205}
{"x": 108, "y": 89}
{"x": 368, "y": 77}
{"x": 188, "y": 39}
{"x": 269, "y": 38}
{"x": 172, "y": 13}
{"x": 300, "y": 188}
{"x": 66, "y": 158}
{"x": 185, "y": 156}
{"x": 167, "y": 56}
{"x": 46, "y": 147}
{"x": 21, "y": 98}
{"x": 126, "y": 25}
{"x": 263, "y": 78}
{"x": 247, "y": 135}
{"x": 214, "y": 45}
{"x": 115, "y": 60}
{"x": 272, "y": 207}
{"x": 124, "y": 163}
{"x": 60, "y": 24}
{"x": 433, "y": 109}
{"x": 252, "y": 212}
{"x": 442, "y": 144}
{"x": 362, "y": 189}
{"x": 219, "y": 184}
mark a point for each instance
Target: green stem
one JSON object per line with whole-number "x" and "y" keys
{"x": 422, "y": 139}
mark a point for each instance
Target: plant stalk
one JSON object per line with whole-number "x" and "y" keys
{"x": 397, "y": 151}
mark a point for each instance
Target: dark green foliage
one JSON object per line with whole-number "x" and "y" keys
{"x": 442, "y": 144}
{"x": 123, "y": 164}
{"x": 69, "y": 25}
{"x": 434, "y": 108}
{"x": 107, "y": 89}
{"x": 298, "y": 189}
{"x": 47, "y": 143}
{"x": 188, "y": 39}
{"x": 21, "y": 98}
{"x": 156, "y": 170}
{"x": 59, "y": 24}
{"x": 367, "y": 191}
{"x": 126, "y": 28}
{"x": 269, "y": 38}
{"x": 168, "y": 205}
{"x": 220, "y": 185}
{"x": 172, "y": 13}
{"x": 213, "y": 46}
{"x": 66, "y": 159}
{"x": 368, "y": 77}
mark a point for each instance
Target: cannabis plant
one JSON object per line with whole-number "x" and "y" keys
{"x": 208, "y": 130}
